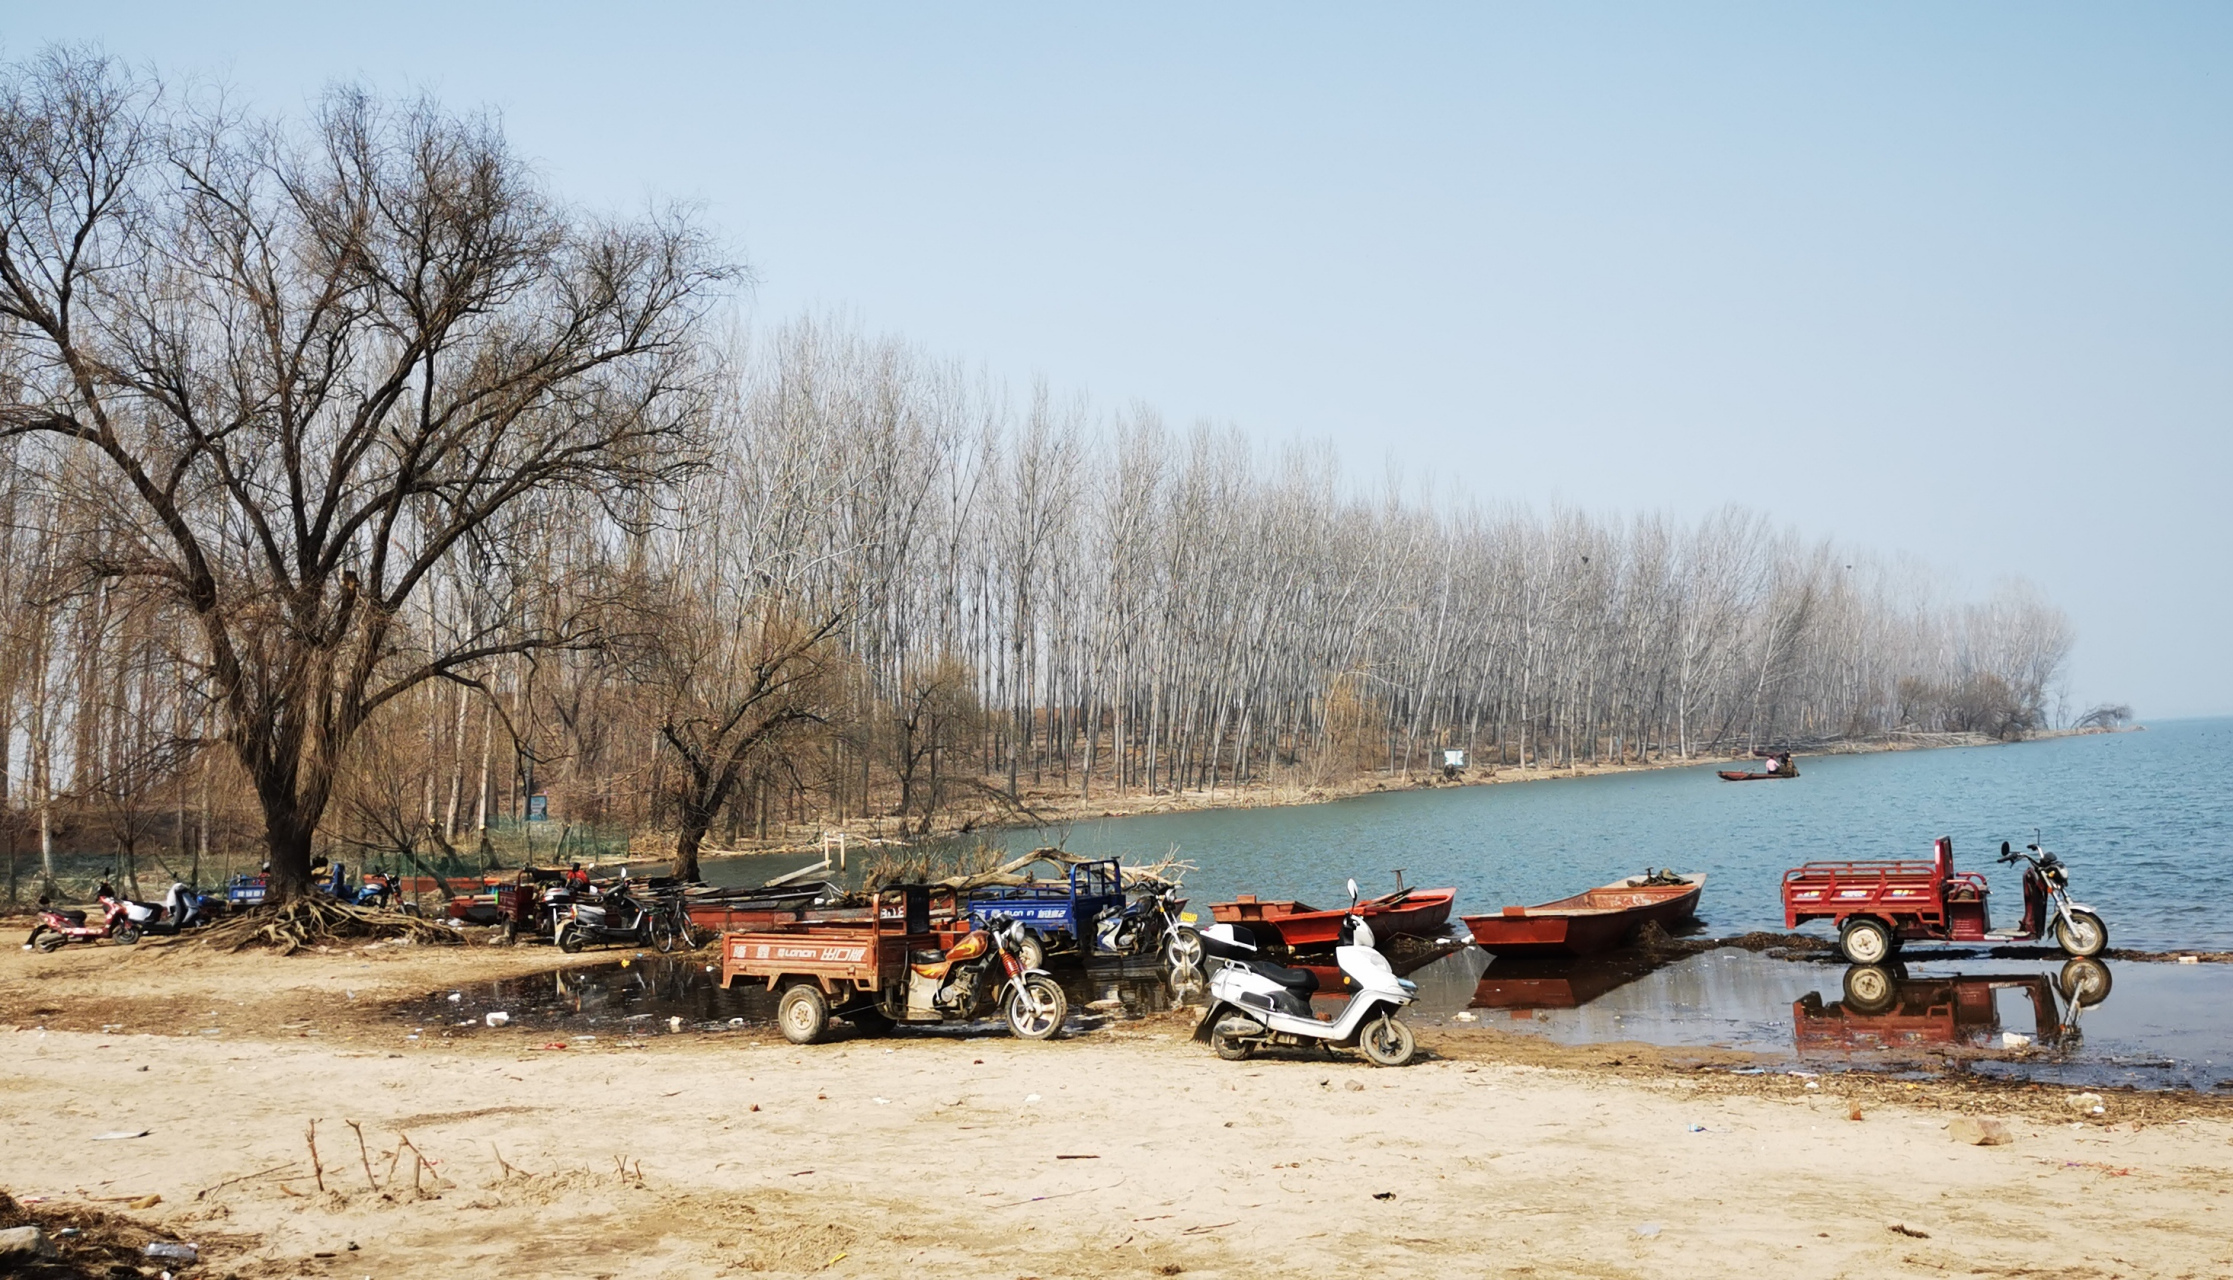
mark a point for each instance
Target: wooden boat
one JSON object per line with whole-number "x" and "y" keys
{"x": 1587, "y": 922}
{"x": 1738, "y": 775}
{"x": 1297, "y": 925}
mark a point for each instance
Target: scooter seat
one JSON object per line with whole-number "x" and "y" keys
{"x": 1300, "y": 981}
{"x": 73, "y": 917}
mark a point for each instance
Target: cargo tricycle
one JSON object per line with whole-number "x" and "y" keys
{"x": 1878, "y": 906}
{"x": 893, "y": 965}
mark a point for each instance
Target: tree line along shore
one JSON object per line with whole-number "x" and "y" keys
{"x": 364, "y": 496}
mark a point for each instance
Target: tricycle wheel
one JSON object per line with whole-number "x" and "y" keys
{"x": 1387, "y": 1041}
{"x": 511, "y": 932}
{"x": 1031, "y": 953}
{"x": 803, "y": 1013}
{"x": 870, "y": 1022}
{"x": 2084, "y": 982}
{"x": 1183, "y": 950}
{"x": 1869, "y": 988}
{"x": 2083, "y": 934}
{"x": 569, "y": 939}
{"x": 1036, "y": 1008}
{"x": 1865, "y": 941}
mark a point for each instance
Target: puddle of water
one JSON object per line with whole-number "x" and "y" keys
{"x": 639, "y": 996}
{"x": 2160, "y": 1026}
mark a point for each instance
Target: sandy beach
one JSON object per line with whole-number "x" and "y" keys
{"x": 1123, "y": 1149}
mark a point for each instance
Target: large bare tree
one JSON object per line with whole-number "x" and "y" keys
{"x": 315, "y": 361}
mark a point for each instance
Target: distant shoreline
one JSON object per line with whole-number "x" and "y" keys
{"x": 1048, "y": 808}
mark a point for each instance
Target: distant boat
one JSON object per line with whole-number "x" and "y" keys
{"x": 1297, "y": 925}
{"x": 1738, "y": 775}
{"x": 1587, "y": 922}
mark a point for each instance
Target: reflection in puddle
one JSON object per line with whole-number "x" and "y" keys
{"x": 2153, "y": 1026}
{"x": 654, "y": 994}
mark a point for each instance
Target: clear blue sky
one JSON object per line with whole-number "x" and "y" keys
{"x": 1949, "y": 280}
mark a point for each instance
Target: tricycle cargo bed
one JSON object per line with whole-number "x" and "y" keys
{"x": 835, "y": 952}
{"x": 1894, "y": 891}
{"x": 866, "y": 953}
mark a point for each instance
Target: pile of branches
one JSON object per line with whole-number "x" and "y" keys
{"x": 310, "y": 922}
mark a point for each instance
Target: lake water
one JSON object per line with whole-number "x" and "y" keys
{"x": 2144, "y": 819}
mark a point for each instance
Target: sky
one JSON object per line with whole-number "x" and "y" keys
{"x": 1953, "y": 282}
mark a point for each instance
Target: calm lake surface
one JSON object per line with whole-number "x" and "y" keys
{"x": 2144, "y": 819}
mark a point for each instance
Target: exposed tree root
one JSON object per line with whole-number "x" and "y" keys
{"x": 310, "y": 922}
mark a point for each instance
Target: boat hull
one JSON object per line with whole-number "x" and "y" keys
{"x": 1738, "y": 775}
{"x": 1586, "y": 923}
{"x": 1297, "y": 927}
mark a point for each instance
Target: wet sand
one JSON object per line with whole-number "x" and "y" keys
{"x": 733, "y": 1152}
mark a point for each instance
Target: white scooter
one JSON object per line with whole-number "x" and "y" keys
{"x": 1254, "y": 1002}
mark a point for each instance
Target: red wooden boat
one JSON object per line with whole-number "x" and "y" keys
{"x": 1297, "y": 925}
{"x": 1587, "y": 922}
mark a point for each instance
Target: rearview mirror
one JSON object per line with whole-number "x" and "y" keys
{"x": 2004, "y": 848}
{"x": 1352, "y": 888}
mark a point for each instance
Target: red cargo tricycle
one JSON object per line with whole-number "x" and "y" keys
{"x": 1877, "y": 906}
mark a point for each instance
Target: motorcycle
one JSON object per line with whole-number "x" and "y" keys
{"x": 1254, "y": 1002}
{"x": 2079, "y": 930}
{"x": 60, "y": 926}
{"x": 129, "y": 921}
{"x": 1152, "y": 924}
{"x": 618, "y": 917}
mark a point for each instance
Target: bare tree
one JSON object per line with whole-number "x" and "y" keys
{"x": 314, "y": 363}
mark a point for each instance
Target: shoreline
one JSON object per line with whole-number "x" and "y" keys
{"x": 1046, "y": 807}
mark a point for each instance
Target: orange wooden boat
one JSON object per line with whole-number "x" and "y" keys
{"x": 1296, "y": 925}
{"x": 1587, "y": 922}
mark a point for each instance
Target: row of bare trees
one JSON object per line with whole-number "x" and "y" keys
{"x": 358, "y": 490}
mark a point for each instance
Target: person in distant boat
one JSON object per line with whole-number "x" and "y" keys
{"x": 1775, "y": 764}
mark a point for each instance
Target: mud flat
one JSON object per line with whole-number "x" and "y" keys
{"x": 1122, "y": 1150}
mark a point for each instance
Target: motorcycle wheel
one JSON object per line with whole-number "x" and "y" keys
{"x": 2087, "y": 939}
{"x": 1036, "y": 1009}
{"x": 1031, "y": 953}
{"x": 569, "y": 939}
{"x": 1186, "y": 984}
{"x": 803, "y": 1013}
{"x": 129, "y": 935}
{"x": 1183, "y": 950}
{"x": 49, "y": 941}
{"x": 2084, "y": 982}
{"x": 1387, "y": 1041}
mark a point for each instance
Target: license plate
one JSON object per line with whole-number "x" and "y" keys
{"x": 1186, "y": 917}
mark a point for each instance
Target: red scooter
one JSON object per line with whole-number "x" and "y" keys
{"x": 60, "y": 926}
